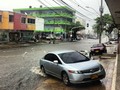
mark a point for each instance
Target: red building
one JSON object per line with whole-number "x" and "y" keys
{"x": 20, "y": 21}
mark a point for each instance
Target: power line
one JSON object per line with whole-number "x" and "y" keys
{"x": 88, "y": 6}
{"x": 48, "y": 7}
{"x": 73, "y": 9}
{"x": 80, "y": 6}
{"x": 66, "y": 8}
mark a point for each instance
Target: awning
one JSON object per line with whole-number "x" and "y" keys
{"x": 114, "y": 7}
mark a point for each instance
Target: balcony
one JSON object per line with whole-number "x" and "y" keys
{"x": 54, "y": 30}
{"x": 56, "y": 15}
{"x": 58, "y": 22}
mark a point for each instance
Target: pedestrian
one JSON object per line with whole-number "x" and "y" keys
{"x": 51, "y": 38}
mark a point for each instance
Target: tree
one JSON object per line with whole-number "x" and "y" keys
{"x": 107, "y": 24}
{"x": 77, "y": 25}
{"x": 74, "y": 28}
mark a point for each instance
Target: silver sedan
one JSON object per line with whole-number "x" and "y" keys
{"x": 72, "y": 67}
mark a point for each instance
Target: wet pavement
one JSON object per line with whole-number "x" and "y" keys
{"x": 117, "y": 83}
{"x": 20, "y": 68}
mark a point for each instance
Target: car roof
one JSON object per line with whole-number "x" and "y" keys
{"x": 62, "y": 51}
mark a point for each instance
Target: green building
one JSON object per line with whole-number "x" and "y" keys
{"x": 57, "y": 19}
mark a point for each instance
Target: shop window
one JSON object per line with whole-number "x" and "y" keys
{"x": 0, "y": 18}
{"x": 32, "y": 21}
{"x": 23, "y": 20}
{"x": 11, "y": 18}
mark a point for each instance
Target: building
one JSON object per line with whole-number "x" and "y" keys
{"x": 57, "y": 19}
{"x": 18, "y": 27}
{"x": 6, "y": 24}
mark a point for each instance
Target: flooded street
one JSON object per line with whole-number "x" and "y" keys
{"x": 19, "y": 68}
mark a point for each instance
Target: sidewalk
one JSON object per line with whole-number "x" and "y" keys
{"x": 20, "y": 44}
{"x": 13, "y": 45}
{"x": 118, "y": 69}
{"x": 25, "y": 44}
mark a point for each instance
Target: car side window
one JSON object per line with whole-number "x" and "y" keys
{"x": 48, "y": 57}
{"x": 52, "y": 57}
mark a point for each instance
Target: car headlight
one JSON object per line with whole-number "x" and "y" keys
{"x": 74, "y": 71}
{"x": 101, "y": 67}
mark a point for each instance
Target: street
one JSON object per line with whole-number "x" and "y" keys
{"x": 19, "y": 68}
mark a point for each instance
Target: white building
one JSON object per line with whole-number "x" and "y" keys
{"x": 39, "y": 24}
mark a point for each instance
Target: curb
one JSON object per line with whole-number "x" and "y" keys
{"x": 113, "y": 87}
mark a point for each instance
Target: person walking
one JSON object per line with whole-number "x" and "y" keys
{"x": 51, "y": 38}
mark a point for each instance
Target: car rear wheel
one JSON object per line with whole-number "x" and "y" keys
{"x": 65, "y": 79}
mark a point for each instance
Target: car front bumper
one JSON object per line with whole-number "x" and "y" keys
{"x": 83, "y": 78}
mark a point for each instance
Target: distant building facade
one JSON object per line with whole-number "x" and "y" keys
{"x": 16, "y": 26}
{"x": 57, "y": 19}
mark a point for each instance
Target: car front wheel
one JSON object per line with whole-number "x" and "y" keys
{"x": 65, "y": 79}
{"x": 43, "y": 71}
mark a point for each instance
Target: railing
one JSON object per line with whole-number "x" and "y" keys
{"x": 55, "y": 15}
{"x": 58, "y": 22}
{"x": 53, "y": 30}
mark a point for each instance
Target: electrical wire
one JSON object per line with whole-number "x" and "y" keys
{"x": 60, "y": 5}
{"x": 64, "y": 7}
{"x": 88, "y": 5}
{"x": 73, "y": 9}
{"x": 48, "y": 7}
{"x": 80, "y": 6}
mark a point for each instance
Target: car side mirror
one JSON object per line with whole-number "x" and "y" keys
{"x": 55, "y": 61}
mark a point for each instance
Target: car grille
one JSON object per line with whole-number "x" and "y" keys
{"x": 90, "y": 70}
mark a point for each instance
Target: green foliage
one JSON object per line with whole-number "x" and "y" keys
{"x": 106, "y": 20}
{"x": 78, "y": 24}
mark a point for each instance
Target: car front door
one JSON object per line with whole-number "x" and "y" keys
{"x": 51, "y": 67}
{"x": 56, "y": 67}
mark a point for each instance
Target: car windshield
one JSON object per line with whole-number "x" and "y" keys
{"x": 73, "y": 57}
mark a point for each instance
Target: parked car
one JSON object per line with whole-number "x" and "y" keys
{"x": 72, "y": 67}
{"x": 98, "y": 49}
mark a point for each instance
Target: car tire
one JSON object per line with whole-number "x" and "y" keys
{"x": 43, "y": 71}
{"x": 65, "y": 79}
{"x": 91, "y": 53}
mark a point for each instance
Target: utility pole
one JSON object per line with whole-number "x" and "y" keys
{"x": 101, "y": 21}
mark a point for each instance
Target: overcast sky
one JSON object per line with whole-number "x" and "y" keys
{"x": 11, "y": 4}
{"x": 80, "y": 5}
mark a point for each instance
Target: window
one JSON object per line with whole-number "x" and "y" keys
{"x": 0, "y": 18}
{"x": 32, "y": 21}
{"x": 11, "y": 18}
{"x": 23, "y": 20}
{"x": 51, "y": 57}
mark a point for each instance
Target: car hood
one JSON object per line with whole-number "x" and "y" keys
{"x": 84, "y": 65}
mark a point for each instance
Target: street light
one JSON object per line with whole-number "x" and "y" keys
{"x": 93, "y": 10}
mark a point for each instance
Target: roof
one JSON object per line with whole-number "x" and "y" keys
{"x": 44, "y": 8}
{"x": 114, "y": 7}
